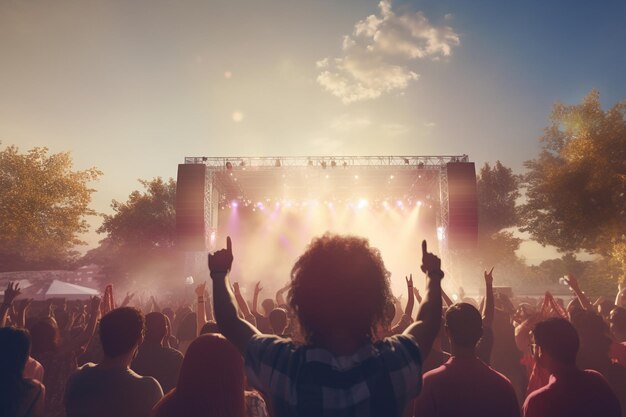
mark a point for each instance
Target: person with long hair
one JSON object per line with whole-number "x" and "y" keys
{"x": 19, "y": 397}
{"x": 211, "y": 384}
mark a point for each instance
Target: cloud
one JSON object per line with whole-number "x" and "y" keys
{"x": 429, "y": 124}
{"x": 376, "y": 56}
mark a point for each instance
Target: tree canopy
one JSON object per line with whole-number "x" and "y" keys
{"x": 140, "y": 235}
{"x": 576, "y": 187}
{"x": 498, "y": 190}
{"x": 43, "y": 205}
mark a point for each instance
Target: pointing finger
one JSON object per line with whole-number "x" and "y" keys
{"x": 424, "y": 247}
{"x": 491, "y": 270}
{"x": 229, "y": 245}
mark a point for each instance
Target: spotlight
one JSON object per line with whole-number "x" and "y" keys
{"x": 356, "y": 177}
{"x": 345, "y": 164}
{"x": 234, "y": 204}
{"x": 406, "y": 161}
{"x": 399, "y": 203}
{"x": 323, "y": 164}
{"x": 229, "y": 166}
{"x": 333, "y": 164}
{"x": 441, "y": 233}
{"x": 362, "y": 203}
{"x": 391, "y": 177}
{"x": 420, "y": 165}
{"x": 419, "y": 204}
{"x": 204, "y": 159}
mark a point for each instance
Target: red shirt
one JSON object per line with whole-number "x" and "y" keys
{"x": 466, "y": 387}
{"x": 577, "y": 394}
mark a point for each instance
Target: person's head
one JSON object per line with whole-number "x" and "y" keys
{"x": 45, "y": 336}
{"x": 121, "y": 331}
{"x": 187, "y": 328}
{"x": 464, "y": 325}
{"x": 278, "y": 320}
{"x": 339, "y": 285}
{"x": 556, "y": 343}
{"x": 210, "y": 327}
{"x": 156, "y": 327}
{"x": 617, "y": 320}
{"x": 594, "y": 336}
{"x": 14, "y": 351}
{"x": 268, "y": 305}
{"x": 211, "y": 380}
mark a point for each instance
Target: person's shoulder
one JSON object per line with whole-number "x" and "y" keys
{"x": 538, "y": 396}
{"x": 32, "y": 385}
{"x": 83, "y": 371}
{"x": 173, "y": 353}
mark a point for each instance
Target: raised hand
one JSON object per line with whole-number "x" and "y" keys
{"x": 258, "y": 288}
{"x": 221, "y": 261}
{"x": 200, "y": 289}
{"x": 431, "y": 264}
{"x": 418, "y": 297}
{"x": 409, "y": 281}
{"x": 489, "y": 276}
{"x": 12, "y": 291}
{"x": 571, "y": 281}
{"x": 236, "y": 288}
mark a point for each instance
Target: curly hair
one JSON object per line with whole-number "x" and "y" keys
{"x": 339, "y": 284}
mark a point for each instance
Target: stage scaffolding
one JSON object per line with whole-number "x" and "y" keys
{"x": 222, "y": 174}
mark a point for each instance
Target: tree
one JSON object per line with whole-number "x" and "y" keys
{"x": 43, "y": 205}
{"x": 140, "y": 235}
{"x": 576, "y": 187}
{"x": 498, "y": 190}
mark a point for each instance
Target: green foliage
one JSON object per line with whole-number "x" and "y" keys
{"x": 139, "y": 242}
{"x": 43, "y": 204}
{"x": 576, "y": 188}
{"x": 498, "y": 190}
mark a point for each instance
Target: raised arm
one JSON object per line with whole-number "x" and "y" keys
{"x": 243, "y": 305}
{"x": 22, "y": 308}
{"x": 255, "y": 299}
{"x": 280, "y": 298}
{"x": 238, "y": 331}
{"x": 447, "y": 301}
{"x": 584, "y": 301}
{"x": 488, "y": 305}
{"x": 425, "y": 329}
{"x": 85, "y": 336}
{"x": 200, "y": 310}
{"x": 408, "y": 310}
{"x": 621, "y": 295}
{"x": 12, "y": 291}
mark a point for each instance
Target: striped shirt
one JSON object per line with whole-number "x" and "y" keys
{"x": 380, "y": 379}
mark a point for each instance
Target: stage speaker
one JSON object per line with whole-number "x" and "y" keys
{"x": 463, "y": 206}
{"x": 190, "y": 189}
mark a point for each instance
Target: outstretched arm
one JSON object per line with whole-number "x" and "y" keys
{"x": 200, "y": 310}
{"x": 447, "y": 301}
{"x": 280, "y": 298}
{"x": 488, "y": 305}
{"x": 619, "y": 298}
{"x": 243, "y": 305}
{"x": 238, "y": 331}
{"x": 426, "y": 328}
{"x": 255, "y": 299}
{"x": 408, "y": 310}
{"x": 584, "y": 301}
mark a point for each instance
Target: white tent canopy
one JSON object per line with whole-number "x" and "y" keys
{"x": 60, "y": 289}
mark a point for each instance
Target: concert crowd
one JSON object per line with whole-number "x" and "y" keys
{"x": 334, "y": 341}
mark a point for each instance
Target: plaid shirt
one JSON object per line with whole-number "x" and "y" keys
{"x": 380, "y": 379}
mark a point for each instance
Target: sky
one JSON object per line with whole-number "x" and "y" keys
{"x": 132, "y": 87}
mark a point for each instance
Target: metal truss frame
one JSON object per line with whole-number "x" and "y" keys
{"x": 213, "y": 186}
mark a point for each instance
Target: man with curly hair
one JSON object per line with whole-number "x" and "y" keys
{"x": 339, "y": 291}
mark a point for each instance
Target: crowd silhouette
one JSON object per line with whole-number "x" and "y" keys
{"x": 332, "y": 342}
